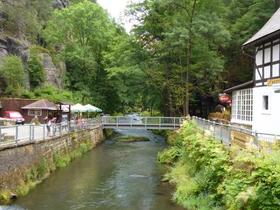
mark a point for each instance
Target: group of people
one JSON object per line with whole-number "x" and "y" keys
{"x": 52, "y": 122}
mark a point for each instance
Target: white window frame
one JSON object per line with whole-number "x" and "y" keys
{"x": 34, "y": 112}
{"x": 242, "y": 106}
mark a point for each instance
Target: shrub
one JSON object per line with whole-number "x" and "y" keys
{"x": 61, "y": 160}
{"x": 53, "y": 94}
{"x": 36, "y": 71}
{"x": 12, "y": 72}
{"x": 209, "y": 176}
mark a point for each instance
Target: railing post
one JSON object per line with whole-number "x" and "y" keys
{"x": 145, "y": 122}
{"x": 174, "y": 122}
{"x": 221, "y": 132}
{"x": 30, "y": 133}
{"x": 257, "y": 139}
{"x": 44, "y": 132}
{"x": 33, "y": 131}
{"x": 16, "y": 134}
{"x": 60, "y": 129}
{"x": 214, "y": 126}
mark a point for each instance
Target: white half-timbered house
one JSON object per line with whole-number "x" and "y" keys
{"x": 257, "y": 103}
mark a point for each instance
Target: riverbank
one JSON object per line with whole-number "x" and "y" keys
{"x": 23, "y": 167}
{"x": 208, "y": 175}
{"x": 113, "y": 176}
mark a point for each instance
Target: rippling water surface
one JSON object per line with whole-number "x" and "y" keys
{"x": 114, "y": 176}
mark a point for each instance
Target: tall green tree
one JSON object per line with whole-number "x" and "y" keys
{"x": 82, "y": 33}
{"x": 184, "y": 40}
{"x": 12, "y": 71}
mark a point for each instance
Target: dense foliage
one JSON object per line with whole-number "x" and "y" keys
{"x": 12, "y": 73}
{"x": 209, "y": 176}
{"x": 176, "y": 60}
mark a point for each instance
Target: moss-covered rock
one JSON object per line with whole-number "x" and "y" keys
{"x": 128, "y": 139}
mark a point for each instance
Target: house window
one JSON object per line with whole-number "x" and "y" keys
{"x": 242, "y": 106}
{"x": 32, "y": 112}
{"x": 265, "y": 103}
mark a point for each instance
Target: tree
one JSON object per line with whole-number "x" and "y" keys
{"x": 184, "y": 40}
{"x": 36, "y": 71}
{"x": 83, "y": 32}
{"x": 13, "y": 73}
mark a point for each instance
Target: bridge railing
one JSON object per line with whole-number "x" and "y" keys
{"x": 14, "y": 135}
{"x": 142, "y": 122}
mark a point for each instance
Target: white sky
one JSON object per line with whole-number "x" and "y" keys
{"x": 116, "y": 9}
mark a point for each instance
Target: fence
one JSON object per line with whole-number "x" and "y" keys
{"x": 223, "y": 132}
{"x": 22, "y": 134}
{"x": 142, "y": 122}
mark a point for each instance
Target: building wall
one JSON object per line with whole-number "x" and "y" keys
{"x": 267, "y": 62}
{"x": 15, "y": 104}
{"x": 16, "y": 162}
{"x": 242, "y": 107}
{"x": 266, "y": 121}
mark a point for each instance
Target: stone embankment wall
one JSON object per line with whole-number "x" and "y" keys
{"x": 16, "y": 163}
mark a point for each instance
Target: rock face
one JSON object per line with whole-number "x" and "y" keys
{"x": 20, "y": 48}
{"x": 14, "y": 45}
{"x": 60, "y": 4}
{"x": 54, "y": 73}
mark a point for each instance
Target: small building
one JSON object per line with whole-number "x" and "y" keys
{"x": 256, "y": 104}
{"x": 42, "y": 109}
{"x": 14, "y": 104}
{"x": 65, "y": 110}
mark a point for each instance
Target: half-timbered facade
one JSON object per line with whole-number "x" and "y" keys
{"x": 257, "y": 103}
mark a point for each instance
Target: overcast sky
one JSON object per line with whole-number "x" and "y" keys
{"x": 116, "y": 8}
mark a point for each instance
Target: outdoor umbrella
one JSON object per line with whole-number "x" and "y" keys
{"x": 78, "y": 108}
{"x": 91, "y": 108}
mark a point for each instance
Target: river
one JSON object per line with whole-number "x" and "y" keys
{"x": 114, "y": 176}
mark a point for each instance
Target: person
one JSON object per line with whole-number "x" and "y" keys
{"x": 35, "y": 120}
{"x": 79, "y": 122}
{"x": 49, "y": 124}
{"x": 53, "y": 123}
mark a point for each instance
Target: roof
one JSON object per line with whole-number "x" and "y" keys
{"x": 271, "y": 28}
{"x": 41, "y": 105}
{"x": 245, "y": 85}
{"x": 65, "y": 103}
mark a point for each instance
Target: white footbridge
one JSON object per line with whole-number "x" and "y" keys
{"x": 152, "y": 123}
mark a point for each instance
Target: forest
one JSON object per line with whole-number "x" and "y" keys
{"x": 179, "y": 56}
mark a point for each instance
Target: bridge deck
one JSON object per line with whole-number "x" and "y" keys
{"x": 156, "y": 123}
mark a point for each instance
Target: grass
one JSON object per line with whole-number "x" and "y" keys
{"x": 128, "y": 139}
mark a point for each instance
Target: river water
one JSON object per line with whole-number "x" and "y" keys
{"x": 114, "y": 176}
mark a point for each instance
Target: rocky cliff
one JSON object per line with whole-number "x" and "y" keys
{"x": 15, "y": 44}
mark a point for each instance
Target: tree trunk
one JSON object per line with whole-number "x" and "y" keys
{"x": 277, "y": 4}
{"x": 189, "y": 56}
{"x": 168, "y": 103}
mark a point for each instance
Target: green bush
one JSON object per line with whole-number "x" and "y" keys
{"x": 209, "y": 176}
{"x": 53, "y": 94}
{"x": 36, "y": 71}
{"x": 200, "y": 166}
{"x": 253, "y": 181}
{"x": 12, "y": 71}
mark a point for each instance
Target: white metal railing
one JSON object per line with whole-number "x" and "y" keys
{"x": 11, "y": 136}
{"x": 23, "y": 134}
{"x": 142, "y": 122}
{"x": 223, "y": 131}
